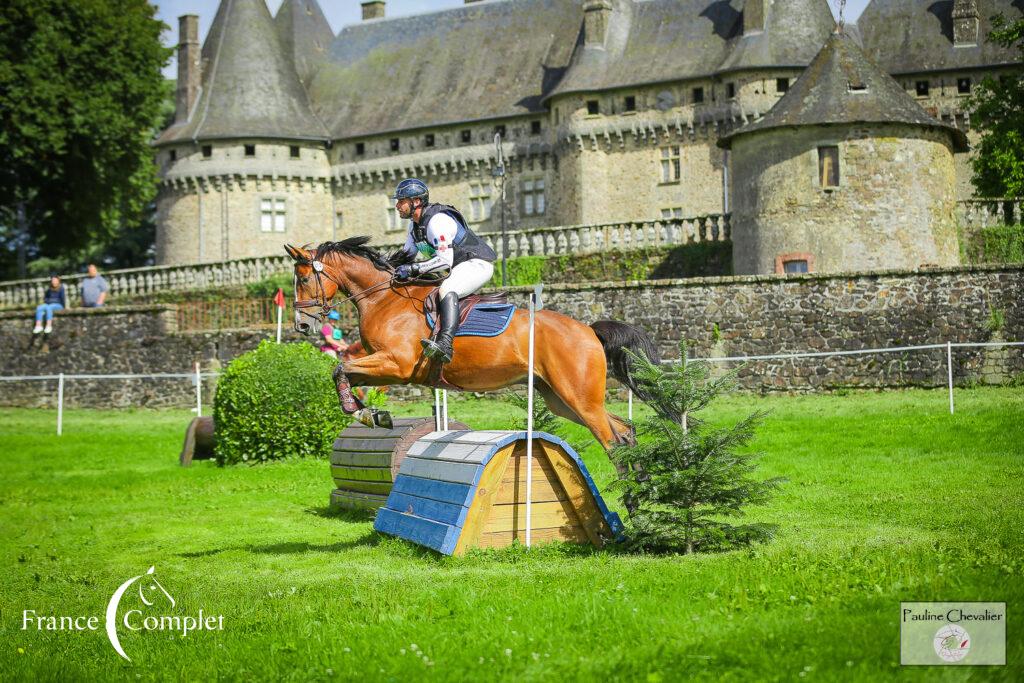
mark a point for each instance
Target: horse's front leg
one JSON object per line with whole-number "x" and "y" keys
{"x": 375, "y": 369}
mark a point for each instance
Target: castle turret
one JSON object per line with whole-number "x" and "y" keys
{"x": 305, "y": 36}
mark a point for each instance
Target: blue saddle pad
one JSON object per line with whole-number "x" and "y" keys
{"x": 485, "y": 320}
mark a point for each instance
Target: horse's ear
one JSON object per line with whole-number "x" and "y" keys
{"x": 295, "y": 253}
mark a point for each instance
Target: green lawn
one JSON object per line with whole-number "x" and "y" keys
{"x": 889, "y": 498}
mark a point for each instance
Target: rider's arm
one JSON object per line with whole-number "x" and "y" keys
{"x": 441, "y": 231}
{"x": 410, "y": 244}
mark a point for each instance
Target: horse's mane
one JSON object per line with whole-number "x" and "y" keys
{"x": 358, "y": 246}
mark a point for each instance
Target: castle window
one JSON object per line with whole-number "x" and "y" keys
{"x": 207, "y": 151}
{"x": 360, "y": 148}
{"x": 670, "y": 164}
{"x": 828, "y": 166}
{"x": 339, "y": 220}
{"x": 698, "y": 95}
{"x": 467, "y": 136}
{"x": 394, "y": 223}
{"x": 963, "y": 86}
{"x": 173, "y": 155}
{"x": 922, "y": 88}
{"x": 250, "y": 150}
{"x": 630, "y": 104}
{"x": 781, "y": 85}
{"x": 535, "y": 127}
{"x": 500, "y": 130}
{"x": 593, "y": 107}
{"x": 272, "y": 215}
{"x": 479, "y": 201}
{"x": 794, "y": 266}
{"x": 293, "y": 151}
{"x": 394, "y": 144}
{"x": 428, "y": 140}
{"x": 730, "y": 90}
{"x": 533, "y": 196}
{"x": 674, "y": 212}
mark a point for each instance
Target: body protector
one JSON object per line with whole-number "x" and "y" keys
{"x": 444, "y": 238}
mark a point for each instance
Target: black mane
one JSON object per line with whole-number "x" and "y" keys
{"x": 357, "y": 246}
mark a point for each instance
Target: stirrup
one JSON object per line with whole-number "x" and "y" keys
{"x": 432, "y": 349}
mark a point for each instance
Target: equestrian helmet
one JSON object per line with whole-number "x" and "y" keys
{"x": 411, "y": 188}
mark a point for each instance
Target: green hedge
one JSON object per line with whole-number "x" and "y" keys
{"x": 1000, "y": 244}
{"x": 275, "y": 402}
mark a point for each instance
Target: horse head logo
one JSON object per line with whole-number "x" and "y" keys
{"x": 149, "y": 593}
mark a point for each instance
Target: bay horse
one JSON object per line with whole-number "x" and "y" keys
{"x": 571, "y": 360}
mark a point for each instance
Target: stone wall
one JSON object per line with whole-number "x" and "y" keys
{"x": 734, "y": 316}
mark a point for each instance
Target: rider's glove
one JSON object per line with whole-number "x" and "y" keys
{"x": 405, "y": 271}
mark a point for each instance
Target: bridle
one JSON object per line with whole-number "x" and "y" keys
{"x": 321, "y": 301}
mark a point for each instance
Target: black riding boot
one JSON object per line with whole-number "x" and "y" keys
{"x": 449, "y": 313}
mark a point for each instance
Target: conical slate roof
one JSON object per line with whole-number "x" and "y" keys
{"x": 250, "y": 88}
{"x": 305, "y": 35}
{"x": 842, "y": 86}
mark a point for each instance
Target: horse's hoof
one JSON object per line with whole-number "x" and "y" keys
{"x": 382, "y": 418}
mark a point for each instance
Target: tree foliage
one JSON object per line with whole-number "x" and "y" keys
{"x": 685, "y": 478}
{"x": 80, "y": 95}
{"x": 998, "y": 111}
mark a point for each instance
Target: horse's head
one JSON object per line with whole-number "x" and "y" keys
{"x": 314, "y": 290}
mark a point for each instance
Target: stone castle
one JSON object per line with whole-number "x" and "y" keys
{"x": 609, "y": 110}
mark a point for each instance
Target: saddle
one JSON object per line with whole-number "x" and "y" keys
{"x": 491, "y": 302}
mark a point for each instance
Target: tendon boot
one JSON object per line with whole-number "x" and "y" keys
{"x": 449, "y": 313}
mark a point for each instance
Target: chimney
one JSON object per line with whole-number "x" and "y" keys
{"x": 373, "y": 9}
{"x": 965, "y": 22}
{"x": 189, "y": 69}
{"x": 596, "y": 15}
{"x": 754, "y": 14}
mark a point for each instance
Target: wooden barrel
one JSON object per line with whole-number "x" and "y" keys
{"x": 365, "y": 461}
{"x": 199, "y": 441}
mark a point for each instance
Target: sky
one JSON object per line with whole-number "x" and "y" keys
{"x": 341, "y": 13}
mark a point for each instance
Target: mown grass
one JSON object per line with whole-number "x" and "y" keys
{"x": 889, "y": 498}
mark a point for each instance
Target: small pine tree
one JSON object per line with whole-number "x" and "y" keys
{"x": 685, "y": 477}
{"x": 543, "y": 420}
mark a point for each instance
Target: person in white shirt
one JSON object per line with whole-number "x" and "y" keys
{"x": 440, "y": 233}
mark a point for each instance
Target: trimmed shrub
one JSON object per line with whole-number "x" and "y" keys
{"x": 276, "y": 402}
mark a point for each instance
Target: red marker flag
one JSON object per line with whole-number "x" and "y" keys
{"x": 279, "y": 298}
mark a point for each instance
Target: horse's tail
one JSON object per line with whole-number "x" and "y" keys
{"x": 616, "y": 337}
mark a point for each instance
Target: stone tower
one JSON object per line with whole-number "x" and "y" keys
{"x": 846, "y": 172}
{"x": 245, "y": 164}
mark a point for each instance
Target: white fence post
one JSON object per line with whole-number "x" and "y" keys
{"x": 199, "y": 392}
{"x": 60, "y": 404}
{"x": 949, "y": 369}
{"x": 437, "y": 410}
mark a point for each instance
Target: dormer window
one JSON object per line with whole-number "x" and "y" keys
{"x": 593, "y": 108}
{"x": 360, "y": 148}
{"x": 428, "y": 140}
{"x": 781, "y": 85}
{"x": 207, "y": 151}
{"x": 630, "y": 104}
{"x": 858, "y": 87}
{"x": 250, "y": 150}
{"x": 921, "y": 87}
{"x": 394, "y": 144}
{"x": 467, "y": 136}
{"x": 293, "y": 151}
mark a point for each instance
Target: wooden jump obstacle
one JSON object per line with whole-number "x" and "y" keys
{"x": 458, "y": 490}
{"x": 365, "y": 461}
{"x": 200, "y": 440}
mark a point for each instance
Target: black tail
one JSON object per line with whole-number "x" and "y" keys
{"x": 616, "y": 337}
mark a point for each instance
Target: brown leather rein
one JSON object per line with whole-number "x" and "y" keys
{"x": 321, "y": 299}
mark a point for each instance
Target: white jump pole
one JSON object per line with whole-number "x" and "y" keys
{"x": 529, "y": 419}
{"x": 949, "y": 373}
{"x": 60, "y": 404}
{"x": 444, "y": 410}
{"x": 630, "y": 409}
{"x": 280, "y": 310}
{"x": 437, "y": 410}
{"x": 199, "y": 392}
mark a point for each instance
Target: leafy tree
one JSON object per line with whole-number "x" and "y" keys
{"x": 80, "y": 94}
{"x": 685, "y": 477}
{"x": 998, "y": 111}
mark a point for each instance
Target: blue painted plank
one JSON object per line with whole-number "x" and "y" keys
{"x": 445, "y": 513}
{"x": 443, "y": 491}
{"x": 422, "y": 531}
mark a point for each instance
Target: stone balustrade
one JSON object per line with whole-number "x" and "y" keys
{"x": 576, "y": 239}
{"x": 976, "y": 214}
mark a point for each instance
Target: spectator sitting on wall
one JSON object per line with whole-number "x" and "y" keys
{"x": 94, "y": 288}
{"x": 55, "y": 299}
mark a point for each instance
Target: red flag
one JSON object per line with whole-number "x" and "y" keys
{"x": 279, "y": 298}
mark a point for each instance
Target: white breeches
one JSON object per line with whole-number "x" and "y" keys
{"x": 467, "y": 277}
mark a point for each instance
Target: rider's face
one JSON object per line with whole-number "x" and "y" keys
{"x": 404, "y": 208}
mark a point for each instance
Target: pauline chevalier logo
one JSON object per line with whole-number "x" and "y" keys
{"x": 151, "y": 614}
{"x": 967, "y": 633}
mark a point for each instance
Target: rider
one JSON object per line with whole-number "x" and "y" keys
{"x": 440, "y": 233}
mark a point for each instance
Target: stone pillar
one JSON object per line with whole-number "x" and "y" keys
{"x": 754, "y": 14}
{"x": 373, "y": 9}
{"x": 965, "y": 22}
{"x": 189, "y": 67}
{"x": 596, "y": 15}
